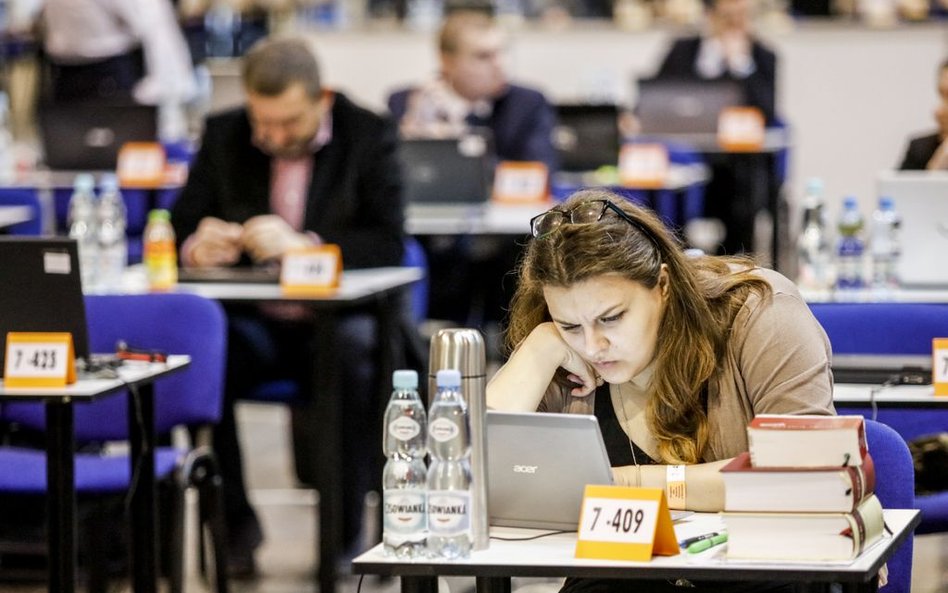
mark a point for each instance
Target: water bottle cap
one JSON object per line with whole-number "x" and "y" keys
{"x": 448, "y": 378}
{"x": 886, "y": 203}
{"x": 108, "y": 182}
{"x": 84, "y": 182}
{"x": 405, "y": 379}
{"x": 159, "y": 215}
{"x": 850, "y": 203}
{"x": 814, "y": 185}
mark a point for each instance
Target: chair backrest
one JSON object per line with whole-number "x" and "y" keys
{"x": 415, "y": 257}
{"x": 895, "y": 488}
{"x": 173, "y": 323}
{"x": 24, "y": 197}
{"x": 888, "y": 328}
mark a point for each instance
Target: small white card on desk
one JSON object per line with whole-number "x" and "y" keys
{"x": 312, "y": 270}
{"x": 643, "y": 165}
{"x": 520, "y": 182}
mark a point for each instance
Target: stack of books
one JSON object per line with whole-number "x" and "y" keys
{"x": 804, "y": 491}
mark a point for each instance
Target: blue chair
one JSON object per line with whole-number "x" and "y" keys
{"x": 895, "y": 490}
{"x": 173, "y": 323}
{"x": 24, "y": 197}
{"x": 893, "y": 328}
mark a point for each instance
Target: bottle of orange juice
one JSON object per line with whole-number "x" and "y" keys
{"x": 159, "y": 252}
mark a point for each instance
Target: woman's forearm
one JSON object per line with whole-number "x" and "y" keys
{"x": 704, "y": 487}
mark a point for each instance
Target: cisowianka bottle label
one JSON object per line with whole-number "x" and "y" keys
{"x": 443, "y": 430}
{"x": 403, "y": 511}
{"x": 404, "y": 428}
{"x": 449, "y": 512}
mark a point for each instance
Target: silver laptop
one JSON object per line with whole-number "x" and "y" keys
{"x": 921, "y": 197}
{"x": 538, "y": 466}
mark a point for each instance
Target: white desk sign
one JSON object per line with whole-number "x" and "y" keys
{"x": 312, "y": 270}
{"x": 37, "y": 359}
{"x": 520, "y": 182}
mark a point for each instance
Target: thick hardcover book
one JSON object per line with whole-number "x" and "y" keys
{"x": 806, "y": 441}
{"x": 796, "y": 490}
{"x": 804, "y": 537}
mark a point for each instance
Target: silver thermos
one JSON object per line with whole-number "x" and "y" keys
{"x": 463, "y": 349}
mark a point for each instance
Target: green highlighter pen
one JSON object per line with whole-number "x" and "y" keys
{"x": 707, "y": 543}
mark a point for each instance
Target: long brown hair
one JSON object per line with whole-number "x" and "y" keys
{"x": 704, "y": 295}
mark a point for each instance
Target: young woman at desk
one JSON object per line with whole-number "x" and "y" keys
{"x": 673, "y": 354}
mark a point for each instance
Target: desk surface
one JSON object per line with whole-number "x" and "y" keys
{"x": 554, "y": 556}
{"x": 11, "y": 215}
{"x": 909, "y": 396}
{"x": 90, "y": 389}
{"x": 775, "y": 139}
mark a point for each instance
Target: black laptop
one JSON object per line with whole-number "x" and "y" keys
{"x": 455, "y": 171}
{"x": 681, "y": 106}
{"x": 40, "y": 290}
{"x": 87, "y": 137}
{"x": 587, "y": 136}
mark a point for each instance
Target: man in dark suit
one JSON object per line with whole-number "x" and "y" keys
{"x": 931, "y": 151}
{"x": 728, "y": 51}
{"x": 299, "y": 165}
{"x": 472, "y": 91}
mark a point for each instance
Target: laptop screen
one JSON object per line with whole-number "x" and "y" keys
{"x": 920, "y": 199}
{"x": 87, "y": 137}
{"x": 586, "y": 136}
{"x": 41, "y": 290}
{"x": 677, "y": 106}
{"x": 447, "y": 171}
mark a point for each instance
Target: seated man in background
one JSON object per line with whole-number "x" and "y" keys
{"x": 931, "y": 151}
{"x": 299, "y": 165}
{"x": 472, "y": 91}
{"x": 727, "y": 50}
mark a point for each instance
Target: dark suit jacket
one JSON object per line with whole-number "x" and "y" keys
{"x": 354, "y": 197}
{"x": 522, "y": 122}
{"x": 920, "y": 151}
{"x": 759, "y": 87}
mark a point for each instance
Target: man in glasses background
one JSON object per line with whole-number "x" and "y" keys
{"x": 298, "y": 165}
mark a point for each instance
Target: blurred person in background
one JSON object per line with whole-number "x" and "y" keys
{"x": 472, "y": 90}
{"x": 115, "y": 49}
{"x": 930, "y": 152}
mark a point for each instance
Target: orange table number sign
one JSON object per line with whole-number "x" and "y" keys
{"x": 620, "y": 523}
{"x": 940, "y": 365}
{"x": 643, "y": 165}
{"x": 520, "y": 182}
{"x": 311, "y": 270}
{"x": 141, "y": 164}
{"x": 741, "y": 129}
{"x": 39, "y": 359}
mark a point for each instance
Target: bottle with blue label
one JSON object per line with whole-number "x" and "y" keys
{"x": 404, "y": 518}
{"x": 850, "y": 248}
{"x": 884, "y": 245}
{"x": 449, "y": 477}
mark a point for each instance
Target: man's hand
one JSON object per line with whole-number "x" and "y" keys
{"x": 215, "y": 243}
{"x": 268, "y": 237}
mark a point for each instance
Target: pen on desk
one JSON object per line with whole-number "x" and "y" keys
{"x": 690, "y": 540}
{"x": 705, "y": 544}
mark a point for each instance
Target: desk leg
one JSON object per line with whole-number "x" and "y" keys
{"x": 870, "y": 586}
{"x": 492, "y": 584}
{"x": 324, "y": 409}
{"x": 61, "y": 501}
{"x": 141, "y": 430}
{"x": 419, "y": 584}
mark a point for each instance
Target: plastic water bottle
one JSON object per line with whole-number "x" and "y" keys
{"x": 449, "y": 477}
{"x": 82, "y": 228}
{"x": 111, "y": 224}
{"x": 884, "y": 245}
{"x": 159, "y": 251}
{"x": 222, "y": 24}
{"x": 405, "y": 520}
{"x": 851, "y": 247}
{"x": 813, "y": 250}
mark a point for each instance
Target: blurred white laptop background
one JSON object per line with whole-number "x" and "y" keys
{"x": 921, "y": 198}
